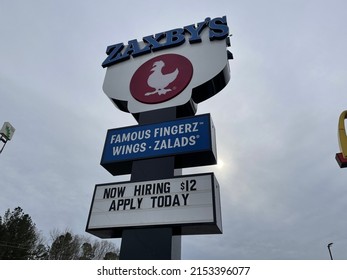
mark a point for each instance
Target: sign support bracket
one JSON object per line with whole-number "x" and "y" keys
{"x": 3, "y": 139}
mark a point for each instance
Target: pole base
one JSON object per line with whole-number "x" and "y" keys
{"x": 150, "y": 244}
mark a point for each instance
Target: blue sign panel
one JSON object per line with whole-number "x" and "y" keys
{"x": 190, "y": 140}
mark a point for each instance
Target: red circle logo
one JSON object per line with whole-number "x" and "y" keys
{"x": 161, "y": 78}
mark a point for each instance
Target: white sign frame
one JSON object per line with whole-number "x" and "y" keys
{"x": 189, "y": 204}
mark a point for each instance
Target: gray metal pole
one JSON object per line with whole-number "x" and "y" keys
{"x": 329, "y": 245}
{"x": 152, "y": 243}
{"x": 2, "y": 139}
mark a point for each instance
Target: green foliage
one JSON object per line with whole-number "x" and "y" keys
{"x": 111, "y": 256}
{"x": 64, "y": 247}
{"x": 67, "y": 246}
{"x": 87, "y": 252}
{"x": 20, "y": 240}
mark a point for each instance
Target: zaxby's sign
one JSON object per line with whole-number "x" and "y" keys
{"x": 169, "y": 69}
{"x": 177, "y": 69}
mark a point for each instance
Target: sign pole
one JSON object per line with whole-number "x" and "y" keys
{"x": 152, "y": 243}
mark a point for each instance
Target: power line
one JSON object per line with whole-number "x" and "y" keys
{"x": 13, "y": 245}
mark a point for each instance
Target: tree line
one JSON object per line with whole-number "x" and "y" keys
{"x": 20, "y": 240}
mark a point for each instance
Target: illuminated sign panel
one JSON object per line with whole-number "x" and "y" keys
{"x": 189, "y": 204}
{"x": 190, "y": 140}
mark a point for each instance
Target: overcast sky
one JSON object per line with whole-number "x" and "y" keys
{"x": 283, "y": 194}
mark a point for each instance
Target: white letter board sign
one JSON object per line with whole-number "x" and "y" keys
{"x": 189, "y": 204}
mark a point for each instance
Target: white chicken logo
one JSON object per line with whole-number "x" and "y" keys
{"x": 160, "y": 81}
{"x": 161, "y": 78}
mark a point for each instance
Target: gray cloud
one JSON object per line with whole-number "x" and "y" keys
{"x": 283, "y": 194}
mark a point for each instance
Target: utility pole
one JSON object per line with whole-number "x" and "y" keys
{"x": 329, "y": 245}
